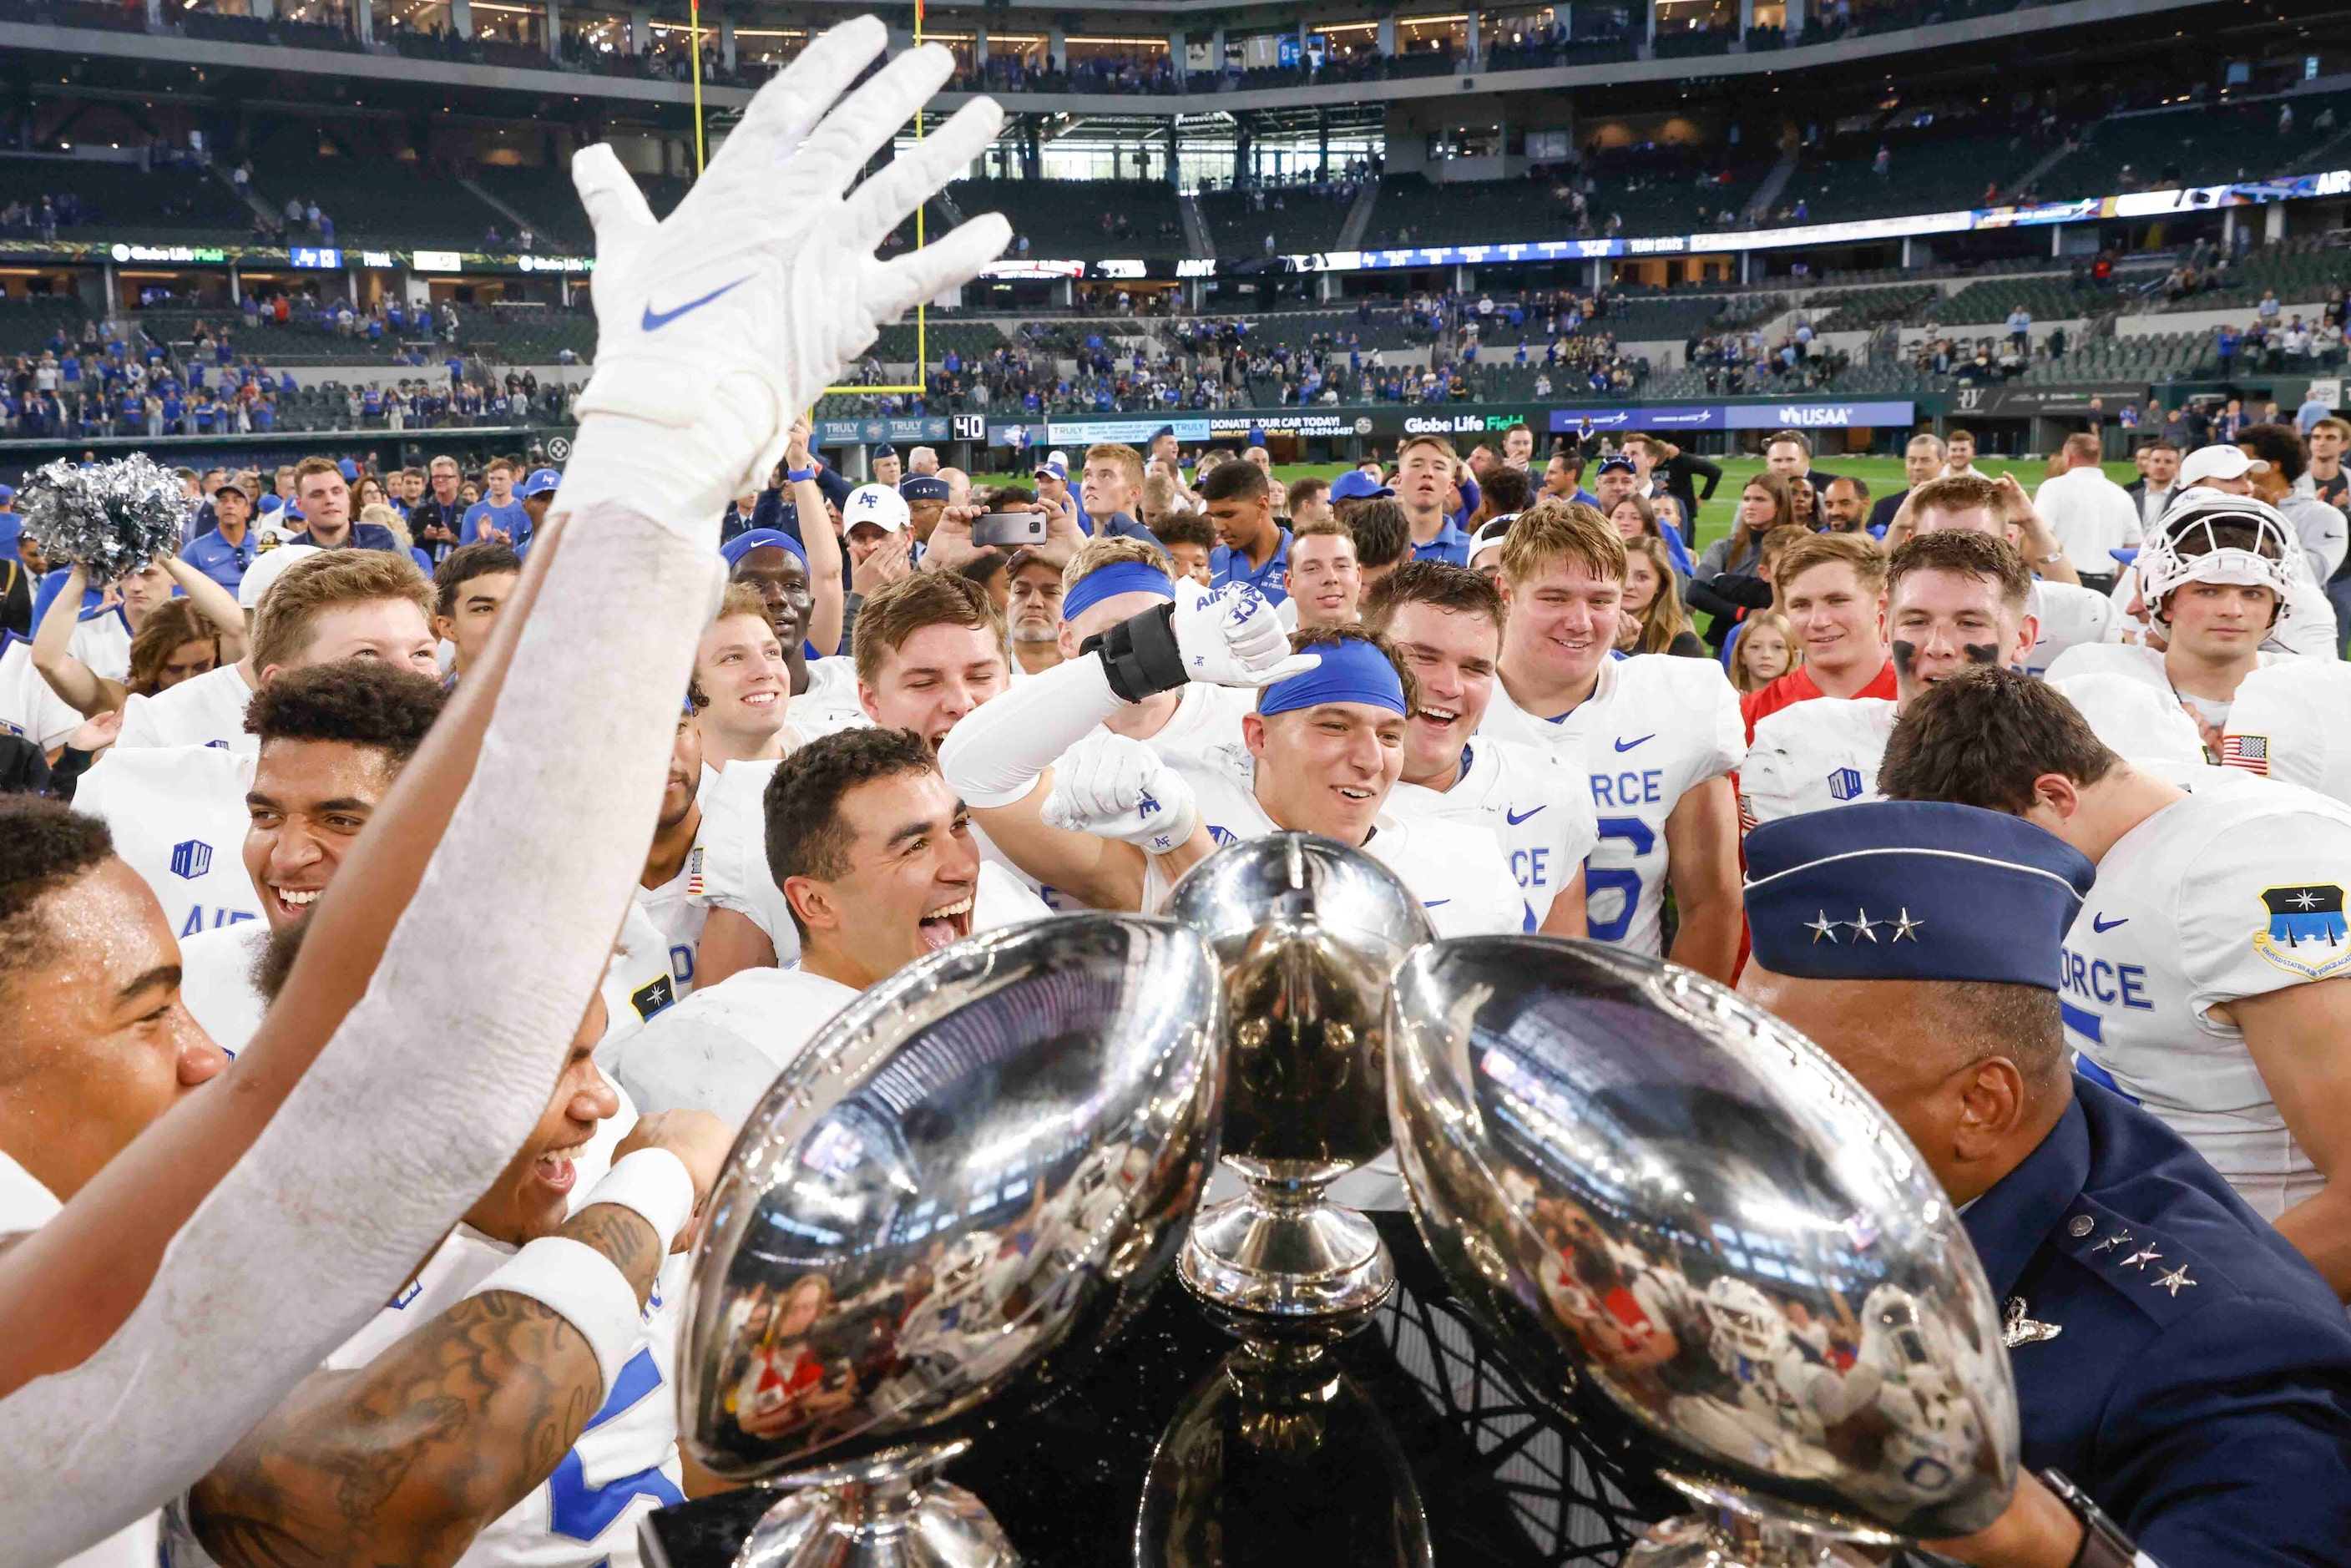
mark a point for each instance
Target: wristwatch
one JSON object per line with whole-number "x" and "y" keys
{"x": 2052, "y": 558}
{"x": 2103, "y": 1544}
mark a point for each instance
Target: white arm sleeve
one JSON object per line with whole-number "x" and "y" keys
{"x": 993, "y": 756}
{"x": 433, "y": 1081}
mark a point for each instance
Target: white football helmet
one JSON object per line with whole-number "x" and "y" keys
{"x": 2186, "y": 547}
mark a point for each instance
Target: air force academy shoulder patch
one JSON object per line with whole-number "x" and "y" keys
{"x": 2306, "y": 934}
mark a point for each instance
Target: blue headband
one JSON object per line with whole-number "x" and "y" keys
{"x": 1351, "y": 671}
{"x": 741, "y": 545}
{"x": 1109, "y": 582}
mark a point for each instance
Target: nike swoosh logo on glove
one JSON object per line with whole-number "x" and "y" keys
{"x": 655, "y": 320}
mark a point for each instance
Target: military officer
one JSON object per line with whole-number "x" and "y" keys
{"x": 2183, "y": 1374}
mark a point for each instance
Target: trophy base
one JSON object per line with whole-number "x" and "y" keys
{"x": 1283, "y": 1266}
{"x": 1731, "y": 1542}
{"x": 885, "y": 1515}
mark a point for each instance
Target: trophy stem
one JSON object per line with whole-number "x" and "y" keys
{"x": 888, "y": 1518}
{"x": 1283, "y": 1262}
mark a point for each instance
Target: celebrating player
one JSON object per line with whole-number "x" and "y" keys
{"x": 1657, "y": 736}
{"x": 2209, "y": 977}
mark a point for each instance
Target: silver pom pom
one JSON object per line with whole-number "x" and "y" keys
{"x": 110, "y": 518}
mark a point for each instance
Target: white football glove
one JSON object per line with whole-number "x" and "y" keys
{"x": 1234, "y": 637}
{"x": 1114, "y": 788}
{"x": 719, "y": 324}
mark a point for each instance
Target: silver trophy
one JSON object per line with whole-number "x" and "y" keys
{"x": 1650, "y": 1190}
{"x": 1308, "y": 934}
{"x": 969, "y": 1182}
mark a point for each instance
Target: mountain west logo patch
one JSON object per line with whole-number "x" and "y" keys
{"x": 191, "y": 858}
{"x": 2306, "y": 934}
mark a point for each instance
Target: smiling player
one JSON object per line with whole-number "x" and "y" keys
{"x": 1656, "y": 735}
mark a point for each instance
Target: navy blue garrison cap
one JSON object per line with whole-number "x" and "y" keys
{"x": 922, "y": 487}
{"x": 1912, "y": 889}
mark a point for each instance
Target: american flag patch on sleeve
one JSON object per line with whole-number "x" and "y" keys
{"x": 2250, "y": 752}
{"x": 693, "y": 873}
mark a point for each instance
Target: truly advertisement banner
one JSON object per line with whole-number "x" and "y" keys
{"x": 873, "y": 432}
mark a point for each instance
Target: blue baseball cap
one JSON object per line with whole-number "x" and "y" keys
{"x": 1355, "y": 485}
{"x": 1616, "y": 462}
{"x": 1055, "y": 467}
{"x": 922, "y": 487}
{"x": 7, "y": 492}
{"x": 542, "y": 481}
{"x": 741, "y": 545}
{"x": 1912, "y": 889}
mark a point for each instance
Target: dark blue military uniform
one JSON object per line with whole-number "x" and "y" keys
{"x": 2199, "y": 1385}
{"x": 2174, "y": 1356}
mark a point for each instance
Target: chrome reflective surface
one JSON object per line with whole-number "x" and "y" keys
{"x": 1277, "y": 1459}
{"x": 901, "y": 1516}
{"x": 973, "y": 1177}
{"x": 1307, "y": 933}
{"x": 1648, "y": 1188}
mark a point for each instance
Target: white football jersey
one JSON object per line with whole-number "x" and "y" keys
{"x": 179, "y": 819}
{"x": 1811, "y": 756}
{"x": 1538, "y": 809}
{"x": 1456, "y": 871}
{"x": 1653, "y": 728}
{"x": 29, "y": 705}
{"x": 217, "y": 982}
{"x": 677, "y": 907}
{"x": 735, "y": 875}
{"x": 1206, "y": 719}
{"x": 2144, "y": 665}
{"x": 831, "y": 701}
{"x": 203, "y": 710}
{"x": 624, "y": 1465}
{"x": 2292, "y": 720}
{"x": 718, "y": 1049}
{"x": 2237, "y": 891}
{"x": 102, "y": 642}
{"x": 2069, "y": 615}
{"x": 2134, "y": 720}
{"x": 637, "y": 981}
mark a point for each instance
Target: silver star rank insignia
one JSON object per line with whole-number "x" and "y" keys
{"x": 1820, "y": 926}
{"x": 2016, "y": 1329}
{"x": 1863, "y": 926}
{"x": 2141, "y": 1259}
{"x": 2174, "y": 1280}
{"x": 1905, "y": 928}
{"x": 2111, "y": 1242}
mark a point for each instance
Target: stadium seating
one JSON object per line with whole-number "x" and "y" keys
{"x": 26, "y": 325}
{"x": 1989, "y": 301}
{"x": 109, "y": 200}
{"x": 2197, "y": 145}
{"x": 1951, "y": 165}
{"x": 392, "y": 200}
{"x": 1858, "y": 309}
{"x": 1064, "y": 217}
{"x": 1450, "y": 213}
{"x": 1297, "y": 219}
{"x": 543, "y": 194}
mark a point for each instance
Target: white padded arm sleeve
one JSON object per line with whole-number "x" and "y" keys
{"x": 434, "y": 1079}
{"x": 992, "y": 757}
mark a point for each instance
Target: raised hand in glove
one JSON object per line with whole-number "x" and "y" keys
{"x": 1114, "y": 788}
{"x": 718, "y": 324}
{"x": 1234, "y": 637}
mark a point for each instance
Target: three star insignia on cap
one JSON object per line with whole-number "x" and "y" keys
{"x": 1826, "y": 929}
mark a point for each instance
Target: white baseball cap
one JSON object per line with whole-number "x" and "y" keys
{"x": 877, "y": 503}
{"x": 268, "y": 567}
{"x": 2218, "y": 460}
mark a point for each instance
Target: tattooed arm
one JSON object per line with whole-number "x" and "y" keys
{"x": 405, "y": 1460}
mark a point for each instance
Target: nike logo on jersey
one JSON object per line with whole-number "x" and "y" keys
{"x": 1629, "y": 745}
{"x": 1515, "y": 818}
{"x": 2101, "y": 925}
{"x": 655, "y": 320}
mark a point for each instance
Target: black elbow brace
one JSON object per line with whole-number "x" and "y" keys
{"x": 1140, "y": 654}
